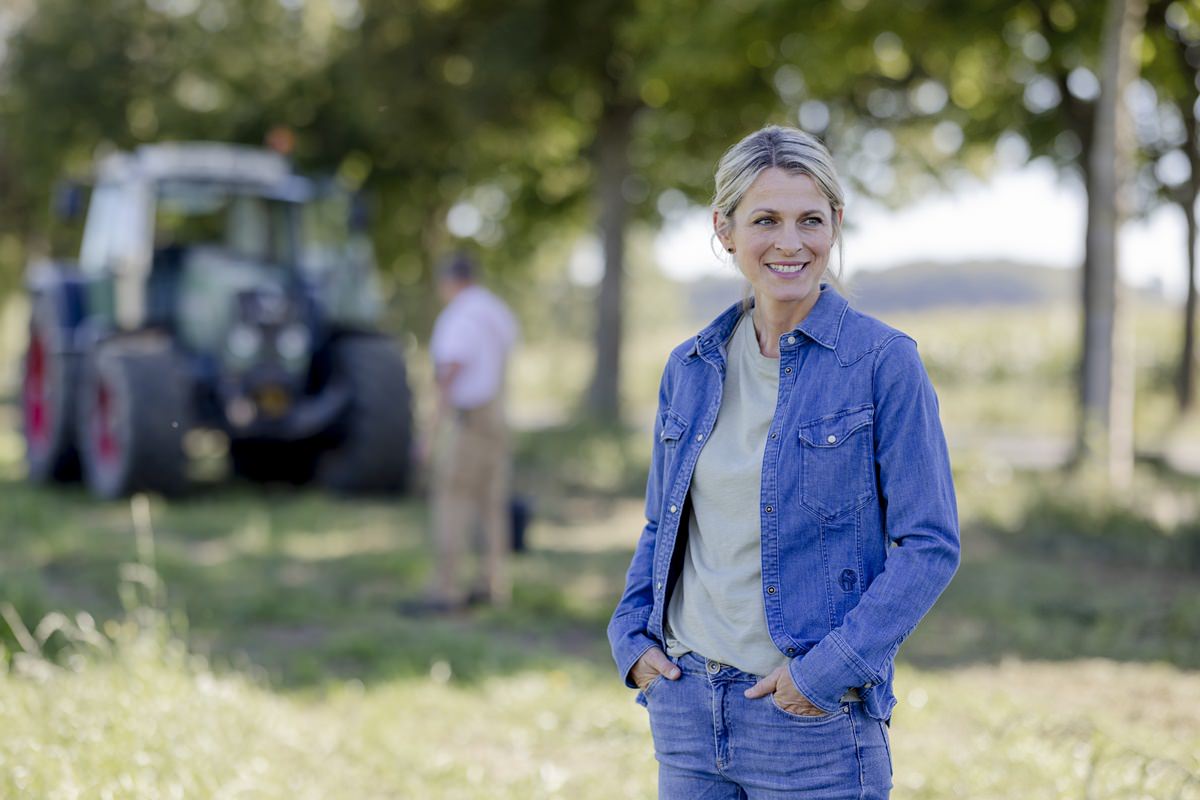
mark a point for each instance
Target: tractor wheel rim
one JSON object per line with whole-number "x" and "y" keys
{"x": 106, "y": 444}
{"x": 37, "y": 393}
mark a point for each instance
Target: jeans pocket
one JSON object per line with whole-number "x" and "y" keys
{"x": 649, "y": 688}
{"x": 805, "y": 719}
{"x": 643, "y": 695}
{"x": 836, "y": 465}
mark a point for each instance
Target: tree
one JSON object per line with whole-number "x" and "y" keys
{"x": 1171, "y": 141}
{"x": 1107, "y": 391}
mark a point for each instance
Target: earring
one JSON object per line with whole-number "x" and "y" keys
{"x": 730, "y": 249}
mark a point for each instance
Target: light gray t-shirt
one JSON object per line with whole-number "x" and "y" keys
{"x": 716, "y": 608}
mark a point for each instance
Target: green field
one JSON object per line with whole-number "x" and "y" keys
{"x": 246, "y": 643}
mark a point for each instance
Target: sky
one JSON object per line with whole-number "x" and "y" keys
{"x": 1029, "y": 214}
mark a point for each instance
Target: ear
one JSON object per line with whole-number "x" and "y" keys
{"x": 722, "y": 230}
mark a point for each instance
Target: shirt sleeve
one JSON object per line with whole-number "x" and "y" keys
{"x": 627, "y": 634}
{"x": 451, "y": 339}
{"x": 921, "y": 521}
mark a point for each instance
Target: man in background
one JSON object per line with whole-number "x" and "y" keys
{"x": 472, "y": 340}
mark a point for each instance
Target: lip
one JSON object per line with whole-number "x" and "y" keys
{"x": 770, "y": 265}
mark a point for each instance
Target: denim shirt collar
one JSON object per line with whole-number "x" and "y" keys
{"x": 823, "y": 324}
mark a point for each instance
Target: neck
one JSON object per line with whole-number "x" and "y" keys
{"x": 772, "y": 320}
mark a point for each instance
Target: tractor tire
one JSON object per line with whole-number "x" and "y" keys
{"x": 373, "y": 453}
{"x": 133, "y": 413}
{"x": 50, "y": 383}
{"x": 260, "y": 461}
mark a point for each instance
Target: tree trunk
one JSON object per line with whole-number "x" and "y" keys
{"x": 1106, "y": 389}
{"x": 612, "y": 168}
{"x": 1191, "y": 191}
{"x": 1187, "y": 360}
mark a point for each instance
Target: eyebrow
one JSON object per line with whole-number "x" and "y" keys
{"x": 773, "y": 211}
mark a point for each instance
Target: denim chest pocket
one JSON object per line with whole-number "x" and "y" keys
{"x": 669, "y": 436}
{"x": 673, "y": 427}
{"x": 836, "y": 467}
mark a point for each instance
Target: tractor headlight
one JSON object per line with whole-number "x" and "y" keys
{"x": 292, "y": 342}
{"x": 244, "y": 342}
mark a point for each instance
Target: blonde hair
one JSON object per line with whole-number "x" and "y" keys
{"x": 789, "y": 149}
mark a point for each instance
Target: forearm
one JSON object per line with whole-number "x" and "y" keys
{"x": 857, "y": 653}
{"x": 627, "y": 629}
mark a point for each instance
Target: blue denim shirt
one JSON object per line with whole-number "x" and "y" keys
{"x": 857, "y": 510}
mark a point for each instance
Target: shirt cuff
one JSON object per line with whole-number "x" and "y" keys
{"x": 825, "y": 673}
{"x": 629, "y": 640}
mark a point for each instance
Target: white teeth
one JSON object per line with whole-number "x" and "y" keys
{"x": 787, "y": 268}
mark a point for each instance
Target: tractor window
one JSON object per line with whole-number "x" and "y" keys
{"x": 243, "y": 225}
{"x": 97, "y": 252}
{"x": 329, "y": 239}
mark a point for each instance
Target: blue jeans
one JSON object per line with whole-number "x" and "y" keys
{"x": 712, "y": 743}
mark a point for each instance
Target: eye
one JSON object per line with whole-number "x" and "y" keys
{"x": 814, "y": 222}
{"x": 764, "y": 221}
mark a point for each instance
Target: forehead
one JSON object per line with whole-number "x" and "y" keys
{"x": 784, "y": 191}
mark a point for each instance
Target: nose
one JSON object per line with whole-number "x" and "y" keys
{"x": 788, "y": 241}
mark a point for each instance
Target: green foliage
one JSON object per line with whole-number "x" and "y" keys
{"x": 501, "y": 106}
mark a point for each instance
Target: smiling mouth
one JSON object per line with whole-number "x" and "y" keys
{"x": 787, "y": 269}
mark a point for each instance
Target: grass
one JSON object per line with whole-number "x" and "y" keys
{"x": 1042, "y": 673}
{"x": 262, "y": 656}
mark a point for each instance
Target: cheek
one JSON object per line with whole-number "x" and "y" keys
{"x": 820, "y": 241}
{"x": 758, "y": 238}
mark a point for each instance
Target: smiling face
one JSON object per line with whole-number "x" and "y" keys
{"x": 781, "y": 234}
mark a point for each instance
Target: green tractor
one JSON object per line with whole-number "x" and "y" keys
{"x": 215, "y": 289}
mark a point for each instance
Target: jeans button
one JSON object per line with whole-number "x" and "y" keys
{"x": 714, "y": 667}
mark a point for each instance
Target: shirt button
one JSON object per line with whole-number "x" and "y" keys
{"x": 658, "y": 585}
{"x": 770, "y": 509}
{"x": 770, "y": 590}
{"x": 791, "y": 340}
{"x": 674, "y": 508}
{"x": 791, "y": 651}
{"x": 775, "y": 435}
{"x": 787, "y": 370}
{"x": 699, "y": 437}
{"x": 831, "y": 438}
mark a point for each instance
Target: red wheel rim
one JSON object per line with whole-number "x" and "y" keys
{"x": 37, "y": 393}
{"x": 105, "y": 444}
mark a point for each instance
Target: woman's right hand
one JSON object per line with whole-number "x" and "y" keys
{"x": 654, "y": 662}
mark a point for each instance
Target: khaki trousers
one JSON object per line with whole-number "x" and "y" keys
{"x": 471, "y": 505}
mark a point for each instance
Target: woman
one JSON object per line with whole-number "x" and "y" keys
{"x": 800, "y": 511}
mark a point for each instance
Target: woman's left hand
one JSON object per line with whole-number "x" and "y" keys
{"x": 787, "y": 696}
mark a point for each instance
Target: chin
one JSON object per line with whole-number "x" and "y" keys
{"x": 792, "y": 294}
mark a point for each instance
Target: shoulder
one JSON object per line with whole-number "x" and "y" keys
{"x": 863, "y": 336}
{"x": 890, "y": 353}
{"x": 683, "y": 352}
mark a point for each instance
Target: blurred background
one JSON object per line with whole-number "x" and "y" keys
{"x": 1023, "y": 181}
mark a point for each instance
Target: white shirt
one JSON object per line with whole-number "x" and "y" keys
{"x": 476, "y": 330}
